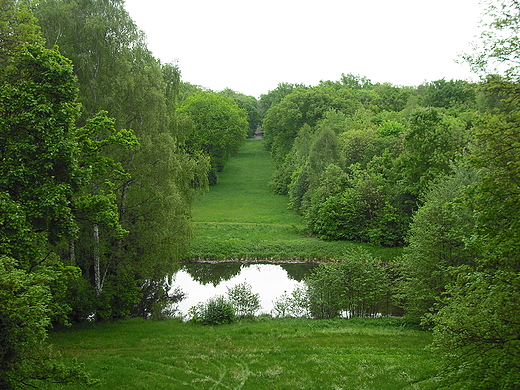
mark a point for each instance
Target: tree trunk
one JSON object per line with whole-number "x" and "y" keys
{"x": 97, "y": 270}
{"x": 72, "y": 251}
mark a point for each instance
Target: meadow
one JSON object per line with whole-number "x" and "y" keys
{"x": 241, "y": 218}
{"x": 263, "y": 353}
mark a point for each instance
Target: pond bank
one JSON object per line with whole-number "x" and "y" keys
{"x": 256, "y": 260}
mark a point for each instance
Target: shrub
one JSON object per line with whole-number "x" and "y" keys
{"x": 358, "y": 285}
{"x": 216, "y": 311}
{"x": 246, "y": 302}
{"x": 294, "y": 305}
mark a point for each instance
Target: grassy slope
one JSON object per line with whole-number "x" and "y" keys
{"x": 242, "y": 218}
{"x": 235, "y": 219}
{"x": 266, "y": 354}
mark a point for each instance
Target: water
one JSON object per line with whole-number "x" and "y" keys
{"x": 203, "y": 281}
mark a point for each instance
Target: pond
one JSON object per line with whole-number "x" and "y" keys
{"x": 201, "y": 281}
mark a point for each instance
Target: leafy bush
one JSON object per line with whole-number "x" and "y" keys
{"x": 216, "y": 311}
{"x": 246, "y": 302}
{"x": 294, "y": 305}
{"x": 358, "y": 285}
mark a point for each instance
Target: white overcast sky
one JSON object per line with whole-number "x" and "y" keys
{"x": 251, "y": 47}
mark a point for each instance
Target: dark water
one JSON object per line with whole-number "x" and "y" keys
{"x": 202, "y": 281}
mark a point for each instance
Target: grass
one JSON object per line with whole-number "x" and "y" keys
{"x": 241, "y": 218}
{"x": 259, "y": 354}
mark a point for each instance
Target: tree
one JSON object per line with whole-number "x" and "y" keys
{"x": 437, "y": 242}
{"x": 303, "y": 106}
{"x": 432, "y": 142}
{"x": 219, "y": 126}
{"x": 118, "y": 74}
{"x": 476, "y": 330}
{"x": 39, "y": 176}
{"x": 250, "y": 105}
{"x": 358, "y": 285}
{"x": 497, "y": 51}
{"x": 449, "y": 94}
{"x": 27, "y": 307}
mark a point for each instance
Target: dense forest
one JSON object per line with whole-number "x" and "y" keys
{"x": 104, "y": 148}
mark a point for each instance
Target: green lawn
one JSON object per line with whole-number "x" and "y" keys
{"x": 242, "y": 218}
{"x": 262, "y": 354}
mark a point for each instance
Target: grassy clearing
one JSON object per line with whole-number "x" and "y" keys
{"x": 242, "y": 218}
{"x": 261, "y": 354}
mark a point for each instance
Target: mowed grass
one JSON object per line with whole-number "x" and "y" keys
{"x": 260, "y": 354}
{"x": 241, "y": 217}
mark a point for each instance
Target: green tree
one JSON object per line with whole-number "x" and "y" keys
{"x": 448, "y": 94}
{"x": 219, "y": 126}
{"x": 250, "y": 105}
{"x": 476, "y": 330}
{"x": 358, "y": 285}
{"x": 303, "y": 106}
{"x": 437, "y": 242}
{"x": 39, "y": 176}
{"x": 432, "y": 142}
{"x": 294, "y": 161}
{"x": 117, "y": 73}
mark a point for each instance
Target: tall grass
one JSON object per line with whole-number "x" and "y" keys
{"x": 262, "y": 354}
{"x": 241, "y": 218}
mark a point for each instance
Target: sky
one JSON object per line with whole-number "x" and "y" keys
{"x": 251, "y": 47}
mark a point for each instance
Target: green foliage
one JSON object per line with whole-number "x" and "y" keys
{"x": 293, "y": 305}
{"x": 250, "y": 105}
{"x": 27, "y": 306}
{"x": 434, "y": 140}
{"x": 476, "y": 327}
{"x": 39, "y": 175}
{"x": 303, "y": 106}
{"x": 38, "y": 108}
{"x": 219, "y": 126}
{"x": 216, "y": 311}
{"x": 448, "y": 94}
{"x": 139, "y": 196}
{"x": 436, "y": 241}
{"x": 358, "y": 285}
{"x": 241, "y": 218}
{"x": 476, "y": 330}
{"x": 246, "y": 302}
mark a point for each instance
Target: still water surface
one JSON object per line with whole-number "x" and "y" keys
{"x": 203, "y": 281}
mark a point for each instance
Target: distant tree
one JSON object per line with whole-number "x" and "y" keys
{"x": 294, "y": 161}
{"x": 449, "y": 94}
{"x": 219, "y": 126}
{"x": 303, "y": 106}
{"x": 432, "y": 142}
{"x": 275, "y": 96}
{"x": 250, "y": 105}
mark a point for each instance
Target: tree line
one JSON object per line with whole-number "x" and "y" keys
{"x": 104, "y": 148}
{"x": 434, "y": 169}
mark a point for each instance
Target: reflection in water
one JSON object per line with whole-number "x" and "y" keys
{"x": 203, "y": 281}
{"x": 206, "y": 273}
